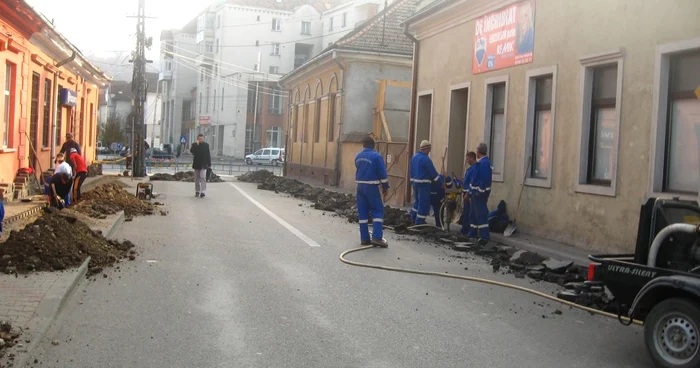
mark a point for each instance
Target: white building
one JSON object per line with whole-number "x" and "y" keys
{"x": 239, "y": 41}
{"x": 118, "y": 104}
{"x": 178, "y": 82}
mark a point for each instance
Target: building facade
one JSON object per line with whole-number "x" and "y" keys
{"x": 235, "y": 45}
{"x": 49, "y": 89}
{"x": 334, "y": 98}
{"x": 597, "y": 116}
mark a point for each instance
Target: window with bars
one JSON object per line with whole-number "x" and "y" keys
{"x": 541, "y": 133}
{"x": 7, "y": 106}
{"x": 34, "y": 111}
{"x": 46, "y": 126}
{"x": 59, "y": 118}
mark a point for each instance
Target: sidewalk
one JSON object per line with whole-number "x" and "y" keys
{"x": 31, "y": 302}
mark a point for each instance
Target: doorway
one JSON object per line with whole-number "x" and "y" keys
{"x": 457, "y": 131}
{"x": 423, "y": 118}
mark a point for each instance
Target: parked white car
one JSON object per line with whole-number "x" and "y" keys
{"x": 266, "y": 156}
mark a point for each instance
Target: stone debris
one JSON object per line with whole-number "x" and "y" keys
{"x": 108, "y": 199}
{"x": 187, "y": 176}
{"x": 56, "y": 242}
{"x": 557, "y": 266}
{"x": 9, "y": 337}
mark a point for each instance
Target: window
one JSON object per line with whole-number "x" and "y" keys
{"x": 266, "y": 152}
{"x": 186, "y": 110}
{"x": 276, "y": 24}
{"x": 274, "y": 102}
{"x": 34, "y": 114}
{"x": 274, "y": 139}
{"x": 216, "y": 45}
{"x": 306, "y": 28}
{"x": 274, "y": 69}
{"x": 92, "y": 125}
{"x": 45, "y": 133}
{"x": 681, "y": 162}
{"x": 274, "y": 48}
{"x": 258, "y": 18}
{"x": 59, "y": 118}
{"x": 218, "y": 21}
{"x": 600, "y": 123}
{"x": 539, "y": 123}
{"x": 257, "y": 42}
{"x": 201, "y": 74}
{"x": 222, "y": 98}
{"x": 207, "y": 110}
{"x": 200, "y": 102}
{"x": 330, "y": 23}
{"x": 495, "y": 123}
{"x": 345, "y": 20}
{"x": 209, "y": 46}
{"x": 255, "y": 67}
{"x": 332, "y": 108}
{"x": 317, "y": 121}
{"x": 8, "y": 102}
{"x": 215, "y": 100}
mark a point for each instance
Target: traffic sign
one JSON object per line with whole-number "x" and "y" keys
{"x": 183, "y": 139}
{"x": 119, "y": 147}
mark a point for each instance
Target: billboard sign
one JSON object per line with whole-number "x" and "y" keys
{"x": 204, "y": 119}
{"x": 504, "y": 38}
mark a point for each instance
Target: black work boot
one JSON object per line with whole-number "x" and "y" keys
{"x": 380, "y": 243}
{"x": 366, "y": 242}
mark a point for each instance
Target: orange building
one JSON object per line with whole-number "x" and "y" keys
{"x": 48, "y": 89}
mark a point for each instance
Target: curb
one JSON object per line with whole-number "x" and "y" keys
{"x": 107, "y": 233}
{"x": 50, "y": 306}
{"x": 55, "y": 299}
{"x": 543, "y": 250}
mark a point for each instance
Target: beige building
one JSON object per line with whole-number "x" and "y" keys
{"x": 594, "y": 103}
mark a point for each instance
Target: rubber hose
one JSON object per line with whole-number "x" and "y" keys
{"x": 480, "y": 280}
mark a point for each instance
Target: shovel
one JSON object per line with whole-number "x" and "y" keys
{"x": 510, "y": 229}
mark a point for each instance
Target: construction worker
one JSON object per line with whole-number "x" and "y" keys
{"x": 466, "y": 219}
{"x": 371, "y": 172}
{"x": 59, "y": 190}
{"x": 423, "y": 176}
{"x": 80, "y": 170}
{"x": 68, "y": 145}
{"x": 480, "y": 189}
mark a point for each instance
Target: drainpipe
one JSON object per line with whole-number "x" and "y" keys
{"x": 340, "y": 123}
{"x": 412, "y": 114}
{"x": 56, "y": 107}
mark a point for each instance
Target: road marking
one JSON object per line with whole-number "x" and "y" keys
{"x": 287, "y": 225}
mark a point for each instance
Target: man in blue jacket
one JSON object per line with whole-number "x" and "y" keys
{"x": 480, "y": 189}
{"x": 423, "y": 175}
{"x": 371, "y": 172}
{"x": 466, "y": 219}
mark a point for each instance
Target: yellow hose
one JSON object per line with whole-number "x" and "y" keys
{"x": 477, "y": 279}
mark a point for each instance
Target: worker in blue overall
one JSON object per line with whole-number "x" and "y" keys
{"x": 371, "y": 173}
{"x": 423, "y": 176}
{"x": 466, "y": 219}
{"x": 480, "y": 189}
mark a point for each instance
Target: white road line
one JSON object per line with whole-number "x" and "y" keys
{"x": 287, "y": 225}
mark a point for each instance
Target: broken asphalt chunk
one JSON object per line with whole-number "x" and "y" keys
{"x": 557, "y": 266}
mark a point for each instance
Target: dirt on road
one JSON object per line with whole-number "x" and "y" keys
{"x": 57, "y": 241}
{"x": 108, "y": 199}
{"x": 186, "y": 176}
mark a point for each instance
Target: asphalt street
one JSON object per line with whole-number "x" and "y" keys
{"x": 246, "y": 278}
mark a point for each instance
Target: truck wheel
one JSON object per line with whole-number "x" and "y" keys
{"x": 671, "y": 333}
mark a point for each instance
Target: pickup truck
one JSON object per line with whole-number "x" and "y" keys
{"x": 659, "y": 284}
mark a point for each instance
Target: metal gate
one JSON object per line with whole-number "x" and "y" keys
{"x": 396, "y": 157}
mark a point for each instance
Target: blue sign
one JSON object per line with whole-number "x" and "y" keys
{"x": 68, "y": 97}
{"x": 183, "y": 139}
{"x": 119, "y": 147}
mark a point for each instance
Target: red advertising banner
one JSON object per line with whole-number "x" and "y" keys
{"x": 504, "y": 38}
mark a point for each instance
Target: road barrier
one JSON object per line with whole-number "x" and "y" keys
{"x": 173, "y": 166}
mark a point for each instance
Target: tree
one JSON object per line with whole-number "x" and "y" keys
{"x": 112, "y": 131}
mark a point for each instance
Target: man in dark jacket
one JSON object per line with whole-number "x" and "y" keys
{"x": 200, "y": 163}
{"x": 67, "y": 145}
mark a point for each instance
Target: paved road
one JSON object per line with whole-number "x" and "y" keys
{"x": 219, "y": 282}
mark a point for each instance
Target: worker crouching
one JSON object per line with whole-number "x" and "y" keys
{"x": 423, "y": 176}
{"x": 371, "y": 173}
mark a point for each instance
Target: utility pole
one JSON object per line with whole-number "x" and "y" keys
{"x": 138, "y": 87}
{"x": 255, "y": 114}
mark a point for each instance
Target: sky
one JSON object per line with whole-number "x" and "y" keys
{"x": 105, "y": 34}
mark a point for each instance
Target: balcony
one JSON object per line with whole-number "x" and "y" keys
{"x": 165, "y": 75}
{"x": 205, "y": 58}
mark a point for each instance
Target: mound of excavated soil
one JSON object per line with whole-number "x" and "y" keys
{"x": 58, "y": 242}
{"x": 187, "y": 176}
{"x": 108, "y": 199}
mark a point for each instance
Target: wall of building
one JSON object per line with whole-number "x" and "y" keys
{"x": 564, "y": 209}
{"x": 354, "y": 12}
{"x": 361, "y": 91}
{"x": 27, "y": 58}
{"x": 314, "y": 94}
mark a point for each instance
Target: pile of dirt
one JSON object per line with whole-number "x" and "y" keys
{"x": 108, "y": 199}
{"x": 8, "y": 337}
{"x": 186, "y": 176}
{"x": 57, "y": 242}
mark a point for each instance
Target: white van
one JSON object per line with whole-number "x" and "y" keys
{"x": 266, "y": 156}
